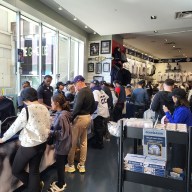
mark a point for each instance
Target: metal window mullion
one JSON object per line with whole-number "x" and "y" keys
{"x": 40, "y": 51}
{"x": 69, "y": 57}
{"x": 18, "y": 28}
{"x": 56, "y": 64}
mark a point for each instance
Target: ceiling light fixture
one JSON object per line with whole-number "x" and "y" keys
{"x": 60, "y": 8}
{"x": 94, "y": 33}
{"x": 155, "y": 31}
{"x": 153, "y": 17}
{"x": 86, "y": 26}
{"x": 75, "y": 19}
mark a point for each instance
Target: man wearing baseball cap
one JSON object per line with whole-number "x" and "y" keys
{"x": 84, "y": 105}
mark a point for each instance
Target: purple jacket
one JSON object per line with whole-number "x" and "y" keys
{"x": 63, "y": 131}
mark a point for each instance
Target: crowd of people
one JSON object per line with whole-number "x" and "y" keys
{"x": 75, "y": 104}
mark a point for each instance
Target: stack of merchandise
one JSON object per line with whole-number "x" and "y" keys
{"x": 154, "y": 166}
{"x": 182, "y": 127}
{"x": 172, "y": 127}
{"x": 133, "y": 162}
{"x": 139, "y": 123}
{"x": 145, "y": 164}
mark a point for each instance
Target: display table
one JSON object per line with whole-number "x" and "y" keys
{"x": 7, "y": 154}
{"x": 156, "y": 181}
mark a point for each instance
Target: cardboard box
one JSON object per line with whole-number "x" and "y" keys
{"x": 155, "y": 166}
{"x": 134, "y": 162}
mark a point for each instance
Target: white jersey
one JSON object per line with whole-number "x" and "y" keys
{"x": 184, "y": 77}
{"x": 102, "y": 108}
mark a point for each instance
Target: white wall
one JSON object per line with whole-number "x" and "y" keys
{"x": 98, "y": 39}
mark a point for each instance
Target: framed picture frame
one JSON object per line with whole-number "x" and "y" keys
{"x": 99, "y": 78}
{"x": 90, "y": 67}
{"x": 106, "y": 47}
{"x": 106, "y": 67}
{"x": 94, "y": 49}
{"x": 98, "y": 68}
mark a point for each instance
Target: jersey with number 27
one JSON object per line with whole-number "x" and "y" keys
{"x": 102, "y": 108}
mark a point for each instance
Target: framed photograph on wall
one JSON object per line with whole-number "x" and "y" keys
{"x": 106, "y": 47}
{"x": 98, "y": 68}
{"x": 106, "y": 67}
{"x": 99, "y": 78}
{"x": 90, "y": 67}
{"x": 94, "y": 49}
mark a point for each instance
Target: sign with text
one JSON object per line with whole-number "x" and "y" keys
{"x": 155, "y": 143}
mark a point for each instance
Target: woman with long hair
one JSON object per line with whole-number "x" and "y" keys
{"x": 61, "y": 129}
{"x": 183, "y": 115}
{"x": 34, "y": 125}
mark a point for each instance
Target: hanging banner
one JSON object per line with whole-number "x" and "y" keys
{"x": 155, "y": 143}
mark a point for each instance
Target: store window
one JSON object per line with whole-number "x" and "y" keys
{"x": 30, "y": 46}
{"x": 81, "y": 58}
{"x": 63, "y": 58}
{"x": 49, "y": 48}
{"x": 74, "y": 59}
{"x": 8, "y": 43}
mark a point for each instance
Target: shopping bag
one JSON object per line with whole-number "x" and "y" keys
{"x": 114, "y": 128}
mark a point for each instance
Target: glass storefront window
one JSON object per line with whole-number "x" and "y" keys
{"x": 34, "y": 80}
{"x": 74, "y": 59}
{"x": 63, "y": 58}
{"x": 8, "y": 42}
{"x": 30, "y": 46}
{"x": 48, "y": 50}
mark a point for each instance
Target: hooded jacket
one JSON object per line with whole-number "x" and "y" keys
{"x": 63, "y": 131}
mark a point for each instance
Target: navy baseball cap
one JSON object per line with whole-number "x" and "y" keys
{"x": 78, "y": 78}
{"x": 96, "y": 82}
{"x": 179, "y": 93}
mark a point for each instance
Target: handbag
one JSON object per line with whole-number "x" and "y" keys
{"x": 51, "y": 138}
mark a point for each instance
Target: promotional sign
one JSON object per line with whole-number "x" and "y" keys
{"x": 155, "y": 143}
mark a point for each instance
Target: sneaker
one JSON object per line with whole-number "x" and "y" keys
{"x": 81, "y": 168}
{"x": 69, "y": 168}
{"x": 41, "y": 186}
{"x": 55, "y": 188}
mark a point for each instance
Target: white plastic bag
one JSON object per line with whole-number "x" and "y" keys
{"x": 114, "y": 128}
{"x": 149, "y": 114}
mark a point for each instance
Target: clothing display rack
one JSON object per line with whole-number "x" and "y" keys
{"x": 151, "y": 180}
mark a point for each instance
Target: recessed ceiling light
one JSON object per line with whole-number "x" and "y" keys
{"x": 75, "y": 19}
{"x": 86, "y": 26}
{"x": 153, "y": 17}
{"x": 60, "y": 8}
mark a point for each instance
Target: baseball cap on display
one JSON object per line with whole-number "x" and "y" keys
{"x": 78, "y": 78}
{"x": 179, "y": 93}
{"x": 96, "y": 82}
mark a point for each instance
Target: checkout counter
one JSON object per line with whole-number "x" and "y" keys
{"x": 7, "y": 154}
